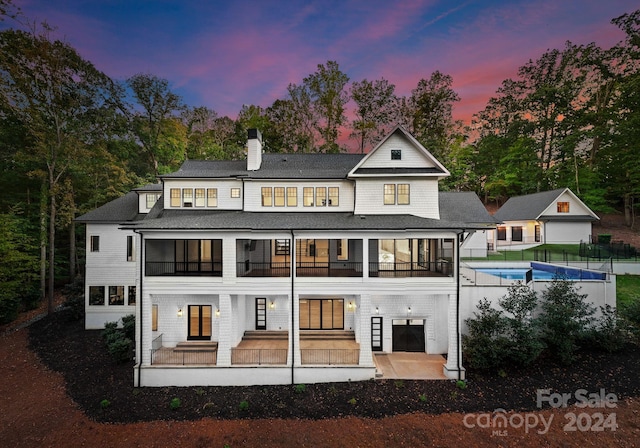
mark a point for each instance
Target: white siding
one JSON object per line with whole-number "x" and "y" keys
{"x": 576, "y": 206}
{"x": 567, "y": 232}
{"x": 253, "y": 196}
{"x": 142, "y": 200}
{"x": 423, "y": 198}
{"x": 225, "y": 201}
{"x": 412, "y": 157}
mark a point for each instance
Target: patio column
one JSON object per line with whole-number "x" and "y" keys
{"x": 365, "y": 258}
{"x": 453, "y": 368}
{"x": 294, "y": 331}
{"x": 224, "y": 333}
{"x": 363, "y": 313}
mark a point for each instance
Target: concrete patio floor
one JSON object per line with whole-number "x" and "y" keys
{"x": 409, "y": 366}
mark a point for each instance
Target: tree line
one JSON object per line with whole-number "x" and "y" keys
{"x": 72, "y": 138}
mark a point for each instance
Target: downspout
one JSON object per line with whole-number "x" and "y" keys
{"x": 292, "y": 251}
{"x": 142, "y": 253}
{"x": 458, "y": 338}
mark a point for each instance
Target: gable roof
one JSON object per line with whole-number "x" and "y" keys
{"x": 436, "y": 167}
{"x": 122, "y": 209}
{"x": 532, "y": 207}
{"x": 274, "y": 166}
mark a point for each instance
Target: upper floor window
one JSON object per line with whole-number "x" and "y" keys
{"x": 152, "y": 198}
{"x": 175, "y": 197}
{"x": 321, "y": 196}
{"x": 292, "y": 196}
{"x": 130, "y": 248}
{"x": 235, "y": 192}
{"x": 278, "y": 196}
{"x": 396, "y": 194}
{"x": 334, "y": 196}
{"x": 187, "y": 197}
{"x": 199, "y": 197}
{"x": 563, "y": 207}
{"x": 95, "y": 243}
{"x": 267, "y": 199}
{"x": 396, "y": 154}
{"x": 212, "y": 197}
{"x": 307, "y": 196}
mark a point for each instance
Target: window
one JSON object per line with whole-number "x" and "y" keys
{"x": 199, "y": 197}
{"x": 396, "y": 154}
{"x": 278, "y": 196}
{"x": 175, "y": 197}
{"x": 187, "y": 197}
{"x": 131, "y": 297}
{"x": 563, "y": 207}
{"x": 307, "y": 196}
{"x": 502, "y": 233}
{"x": 212, "y": 197}
{"x": 235, "y": 192}
{"x": 343, "y": 249}
{"x": 116, "y": 295}
{"x": 389, "y": 194}
{"x": 292, "y": 196}
{"x": 536, "y": 233}
{"x": 403, "y": 194}
{"x": 516, "y": 233}
{"x": 267, "y": 200}
{"x": 154, "y": 317}
{"x": 130, "y": 248}
{"x": 95, "y": 243}
{"x": 282, "y": 247}
{"x": 152, "y": 198}
{"x": 334, "y": 196}
{"x": 96, "y": 295}
{"x": 321, "y": 196}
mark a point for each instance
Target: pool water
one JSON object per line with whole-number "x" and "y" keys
{"x": 517, "y": 273}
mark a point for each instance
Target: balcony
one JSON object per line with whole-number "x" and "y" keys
{"x": 329, "y": 269}
{"x": 253, "y": 269}
{"x": 183, "y": 268}
{"x": 441, "y": 268}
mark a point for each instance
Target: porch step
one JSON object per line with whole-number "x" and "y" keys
{"x": 265, "y": 334}
{"x": 334, "y": 335}
{"x": 196, "y": 346}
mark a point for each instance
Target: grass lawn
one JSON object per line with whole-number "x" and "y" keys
{"x": 557, "y": 252}
{"x": 627, "y": 289}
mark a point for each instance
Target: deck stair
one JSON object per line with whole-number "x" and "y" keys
{"x": 196, "y": 346}
{"x": 333, "y": 335}
{"x": 265, "y": 334}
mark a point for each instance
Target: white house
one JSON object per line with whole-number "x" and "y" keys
{"x": 285, "y": 267}
{"x": 550, "y": 217}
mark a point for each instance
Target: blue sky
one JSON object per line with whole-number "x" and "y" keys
{"x": 223, "y": 54}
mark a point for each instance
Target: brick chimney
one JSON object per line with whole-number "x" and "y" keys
{"x": 254, "y": 150}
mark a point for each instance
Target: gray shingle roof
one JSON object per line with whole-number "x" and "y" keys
{"x": 274, "y": 166}
{"x": 463, "y": 206}
{"x": 530, "y": 206}
{"x": 123, "y": 209}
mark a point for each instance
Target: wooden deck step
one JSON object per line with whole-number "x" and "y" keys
{"x": 265, "y": 334}
{"x": 196, "y": 346}
{"x": 340, "y": 335}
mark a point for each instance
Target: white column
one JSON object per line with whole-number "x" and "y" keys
{"x": 294, "y": 331}
{"x": 365, "y": 258}
{"x": 363, "y": 314}
{"x": 224, "y": 330}
{"x": 228, "y": 259}
{"x": 451, "y": 369}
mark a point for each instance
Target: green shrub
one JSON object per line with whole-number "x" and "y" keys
{"x": 461, "y": 384}
{"x": 120, "y": 349}
{"x": 300, "y": 388}
{"x": 422, "y": 398}
{"x": 175, "y": 404}
{"x": 129, "y": 326}
{"x": 630, "y": 311}
{"x": 104, "y": 404}
{"x": 352, "y": 401}
{"x": 74, "y": 303}
{"x": 611, "y": 331}
{"x": 604, "y": 238}
{"x": 9, "y": 305}
{"x": 244, "y": 406}
{"x": 485, "y": 344}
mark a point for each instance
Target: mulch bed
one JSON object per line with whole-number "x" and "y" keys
{"x": 91, "y": 377}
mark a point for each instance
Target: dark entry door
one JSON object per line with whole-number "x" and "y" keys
{"x": 321, "y": 314}
{"x": 376, "y": 333}
{"x": 261, "y": 313}
{"x": 199, "y": 323}
{"x": 408, "y": 335}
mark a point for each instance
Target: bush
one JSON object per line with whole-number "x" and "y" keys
{"x": 74, "y": 293}
{"x": 120, "y": 349}
{"x": 175, "y": 404}
{"x": 631, "y": 313}
{"x": 129, "y": 326}
{"x": 565, "y": 319}
{"x": 604, "y": 238}
{"x": 9, "y": 305}
{"x": 611, "y": 331}
{"x": 485, "y": 345}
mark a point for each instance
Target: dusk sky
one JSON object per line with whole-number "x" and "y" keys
{"x": 223, "y": 54}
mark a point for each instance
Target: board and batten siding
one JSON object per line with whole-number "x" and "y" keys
{"x": 225, "y": 201}
{"x": 423, "y": 199}
{"x": 412, "y": 157}
{"x": 253, "y": 196}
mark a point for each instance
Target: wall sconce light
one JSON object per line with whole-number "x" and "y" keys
{"x": 180, "y": 312}
{"x": 272, "y": 305}
{"x": 409, "y": 310}
{"x": 377, "y": 310}
{"x": 217, "y": 312}
{"x": 351, "y": 306}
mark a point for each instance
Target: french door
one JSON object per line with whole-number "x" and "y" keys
{"x": 199, "y": 323}
{"x": 321, "y": 314}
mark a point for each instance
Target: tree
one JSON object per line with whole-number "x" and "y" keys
{"x": 155, "y": 126}
{"x": 376, "y": 109}
{"x": 294, "y": 120}
{"x": 59, "y": 98}
{"x": 326, "y": 89}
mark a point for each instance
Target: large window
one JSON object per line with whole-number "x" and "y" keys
{"x": 152, "y": 198}
{"x": 403, "y": 194}
{"x": 396, "y": 194}
{"x": 267, "y": 199}
{"x": 96, "y": 295}
{"x": 116, "y": 295}
{"x": 199, "y": 197}
{"x": 187, "y": 197}
{"x": 307, "y": 196}
{"x": 212, "y": 197}
{"x": 321, "y": 196}
{"x": 292, "y": 196}
{"x": 502, "y": 233}
{"x": 278, "y": 196}
{"x": 516, "y": 233}
{"x": 334, "y": 196}
{"x": 183, "y": 257}
{"x": 389, "y": 194}
{"x": 95, "y": 243}
{"x": 563, "y": 207}
{"x": 175, "y": 197}
{"x": 131, "y": 297}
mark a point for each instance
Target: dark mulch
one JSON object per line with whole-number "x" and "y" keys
{"x": 64, "y": 346}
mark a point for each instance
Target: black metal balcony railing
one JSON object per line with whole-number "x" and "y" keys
{"x": 330, "y": 356}
{"x": 329, "y": 269}
{"x": 252, "y": 269}
{"x": 183, "y": 268}
{"x": 259, "y": 356}
{"x": 411, "y": 269}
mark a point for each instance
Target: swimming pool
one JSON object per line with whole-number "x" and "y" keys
{"x": 544, "y": 272}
